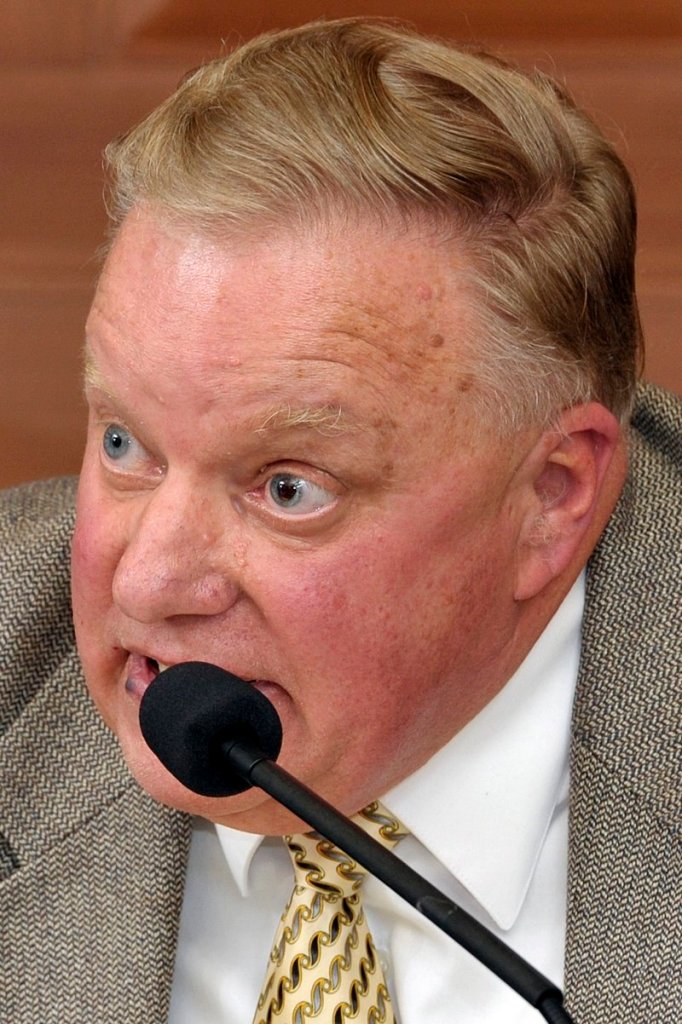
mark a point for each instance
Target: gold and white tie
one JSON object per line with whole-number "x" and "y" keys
{"x": 323, "y": 966}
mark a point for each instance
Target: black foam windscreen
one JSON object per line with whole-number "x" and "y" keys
{"x": 191, "y": 710}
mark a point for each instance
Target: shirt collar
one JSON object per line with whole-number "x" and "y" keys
{"x": 482, "y": 804}
{"x": 239, "y": 849}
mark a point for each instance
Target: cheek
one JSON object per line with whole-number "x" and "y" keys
{"x": 95, "y": 555}
{"x": 382, "y": 621}
{"x": 93, "y": 560}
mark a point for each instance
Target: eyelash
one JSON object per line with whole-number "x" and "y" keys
{"x": 294, "y": 479}
{"x": 131, "y": 463}
{"x": 264, "y": 496}
{"x": 113, "y": 431}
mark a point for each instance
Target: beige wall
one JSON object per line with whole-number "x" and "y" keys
{"x": 73, "y": 73}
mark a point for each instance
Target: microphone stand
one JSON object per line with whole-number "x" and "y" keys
{"x": 253, "y": 765}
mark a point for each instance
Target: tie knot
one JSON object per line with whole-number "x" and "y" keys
{"x": 323, "y": 963}
{"x": 323, "y": 867}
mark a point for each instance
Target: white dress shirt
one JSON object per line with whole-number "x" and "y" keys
{"x": 488, "y": 819}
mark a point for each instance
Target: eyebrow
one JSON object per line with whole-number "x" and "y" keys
{"x": 328, "y": 419}
{"x": 91, "y": 373}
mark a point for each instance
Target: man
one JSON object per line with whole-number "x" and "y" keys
{"x": 359, "y": 371}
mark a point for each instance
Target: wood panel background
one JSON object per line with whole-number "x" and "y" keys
{"x": 74, "y": 73}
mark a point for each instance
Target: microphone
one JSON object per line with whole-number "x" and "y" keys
{"x": 218, "y": 735}
{"x": 191, "y": 711}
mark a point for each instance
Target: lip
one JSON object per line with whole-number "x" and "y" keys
{"x": 273, "y": 691}
{"x": 142, "y": 669}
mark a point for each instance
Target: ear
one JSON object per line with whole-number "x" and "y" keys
{"x": 571, "y": 480}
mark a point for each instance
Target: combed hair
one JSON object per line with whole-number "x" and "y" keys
{"x": 357, "y": 118}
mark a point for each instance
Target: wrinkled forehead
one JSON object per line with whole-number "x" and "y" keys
{"x": 345, "y": 290}
{"x": 403, "y": 285}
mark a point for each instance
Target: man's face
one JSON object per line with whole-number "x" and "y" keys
{"x": 284, "y": 477}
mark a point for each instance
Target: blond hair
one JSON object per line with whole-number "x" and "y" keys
{"x": 359, "y": 117}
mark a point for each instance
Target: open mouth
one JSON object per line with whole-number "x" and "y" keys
{"x": 140, "y": 672}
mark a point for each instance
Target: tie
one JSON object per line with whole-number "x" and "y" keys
{"x": 323, "y": 965}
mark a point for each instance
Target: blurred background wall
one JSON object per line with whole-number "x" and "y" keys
{"x": 74, "y": 73}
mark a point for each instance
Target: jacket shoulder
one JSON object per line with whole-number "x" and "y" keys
{"x": 657, "y": 427}
{"x": 36, "y": 632}
{"x": 629, "y": 693}
{"x": 41, "y": 501}
{"x": 626, "y": 805}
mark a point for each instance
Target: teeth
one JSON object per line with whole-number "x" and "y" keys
{"x": 162, "y": 666}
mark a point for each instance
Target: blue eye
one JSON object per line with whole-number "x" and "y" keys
{"x": 291, "y": 493}
{"x": 116, "y": 442}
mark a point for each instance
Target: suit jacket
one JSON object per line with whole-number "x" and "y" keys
{"x": 92, "y": 870}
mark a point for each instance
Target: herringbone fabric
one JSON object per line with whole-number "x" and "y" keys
{"x": 91, "y": 871}
{"x": 624, "y": 942}
{"x": 324, "y": 965}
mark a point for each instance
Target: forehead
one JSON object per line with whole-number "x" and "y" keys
{"x": 388, "y": 303}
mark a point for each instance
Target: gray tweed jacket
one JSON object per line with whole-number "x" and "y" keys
{"x": 91, "y": 870}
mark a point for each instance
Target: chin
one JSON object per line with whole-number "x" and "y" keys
{"x": 251, "y": 811}
{"x": 158, "y": 782}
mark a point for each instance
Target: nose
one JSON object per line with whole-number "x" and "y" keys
{"x": 179, "y": 558}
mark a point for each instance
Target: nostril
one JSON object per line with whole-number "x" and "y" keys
{"x": 153, "y": 666}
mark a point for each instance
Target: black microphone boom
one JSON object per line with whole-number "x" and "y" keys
{"x": 218, "y": 735}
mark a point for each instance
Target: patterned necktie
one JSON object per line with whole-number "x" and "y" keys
{"x": 323, "y": 965}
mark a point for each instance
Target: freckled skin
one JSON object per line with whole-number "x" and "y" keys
{"x": 385, "y": 620}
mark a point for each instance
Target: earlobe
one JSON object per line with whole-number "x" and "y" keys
{"x": 573, "y": 477}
